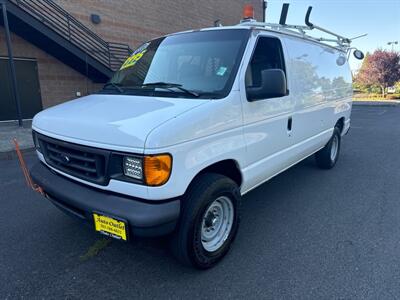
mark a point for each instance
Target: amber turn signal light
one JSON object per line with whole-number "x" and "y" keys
{"x": 157, "y": 169}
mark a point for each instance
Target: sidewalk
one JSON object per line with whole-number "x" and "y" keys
{"x": 9, "y": 131}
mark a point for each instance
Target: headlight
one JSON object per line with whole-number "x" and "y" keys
{"x": 133, "y": 167}
{"x": 152, "y": 170}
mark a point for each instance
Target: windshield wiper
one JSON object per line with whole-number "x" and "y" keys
{"x": 114, "y": 85}
{"x": 169, "y": 86}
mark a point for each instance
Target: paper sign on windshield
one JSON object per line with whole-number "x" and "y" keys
{"x": 135, "y": 57}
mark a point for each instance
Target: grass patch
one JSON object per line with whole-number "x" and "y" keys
{"x": 377, "y": 97}
{"x": 93, "y": 250}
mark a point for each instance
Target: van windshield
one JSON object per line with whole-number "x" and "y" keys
{"x": 200, "y": 64}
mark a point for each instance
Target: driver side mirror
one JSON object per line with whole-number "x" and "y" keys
{"x": 273, "y": 85}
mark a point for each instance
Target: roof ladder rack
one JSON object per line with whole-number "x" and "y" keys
{"x": 341, "y": 42}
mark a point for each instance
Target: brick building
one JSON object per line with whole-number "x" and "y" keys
{"x": 61, "y": 47}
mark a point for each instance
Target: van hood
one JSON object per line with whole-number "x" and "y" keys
{"x": 116, "y": 121}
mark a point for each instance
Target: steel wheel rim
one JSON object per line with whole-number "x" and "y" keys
{"x": 334, "y": 147}
{"x": 217, "y": 223}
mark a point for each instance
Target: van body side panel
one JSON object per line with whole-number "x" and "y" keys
{"x": 320, "y": 94}
{"x": 323, "y": 92}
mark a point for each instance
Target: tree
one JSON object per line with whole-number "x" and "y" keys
{"x": 381, "y": 68}
{"x": 397, "y": 87}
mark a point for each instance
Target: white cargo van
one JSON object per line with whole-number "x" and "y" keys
{"x": 190, "y": 123}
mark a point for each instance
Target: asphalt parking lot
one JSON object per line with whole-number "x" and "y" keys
{"x": 307, "y": 233}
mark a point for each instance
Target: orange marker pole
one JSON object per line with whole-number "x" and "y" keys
{"x": 25, "y": 171}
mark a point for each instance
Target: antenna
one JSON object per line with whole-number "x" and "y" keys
{"x": 284, "y": 12}
{"x": 357, "y": 37}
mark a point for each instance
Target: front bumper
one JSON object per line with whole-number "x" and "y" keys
{"x": 144, "y": 218}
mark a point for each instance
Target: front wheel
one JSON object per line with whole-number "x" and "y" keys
{"x": 209, "y": 221}
{"x": 328, "y": 156}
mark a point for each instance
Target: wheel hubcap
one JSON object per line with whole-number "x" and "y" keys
{"x": 334, "y": 147}
{"x": 217, "y": 223}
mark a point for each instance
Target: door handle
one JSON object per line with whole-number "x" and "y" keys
{"x": 289, "y": 124}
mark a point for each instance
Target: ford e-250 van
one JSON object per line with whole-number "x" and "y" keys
{"x": 190, "y": 123}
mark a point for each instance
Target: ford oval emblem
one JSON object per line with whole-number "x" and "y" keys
{"x": 65, "y": 159}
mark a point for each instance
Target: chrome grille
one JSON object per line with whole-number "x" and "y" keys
{"x": 83, "y": 162}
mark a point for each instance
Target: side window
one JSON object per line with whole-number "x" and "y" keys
{"x": 268, "y": 54}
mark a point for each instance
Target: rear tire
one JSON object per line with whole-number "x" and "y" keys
{"x": 209, "y": 221}
{"x": 327, "y": 157}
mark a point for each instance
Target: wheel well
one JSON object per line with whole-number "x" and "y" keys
{"x": 228, "y": 168}
{"x": 340, "y": 124}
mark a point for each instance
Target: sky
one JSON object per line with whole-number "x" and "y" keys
{"x": 349, "y": 18}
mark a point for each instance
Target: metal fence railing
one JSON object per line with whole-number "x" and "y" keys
{"x": 112, "y": 55}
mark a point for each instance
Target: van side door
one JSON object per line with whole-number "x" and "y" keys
{"x": 267, "y": 123}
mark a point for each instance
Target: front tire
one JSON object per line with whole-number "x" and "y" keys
{"x": 327, "y": 157}
{"x": 209, "y": 221}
